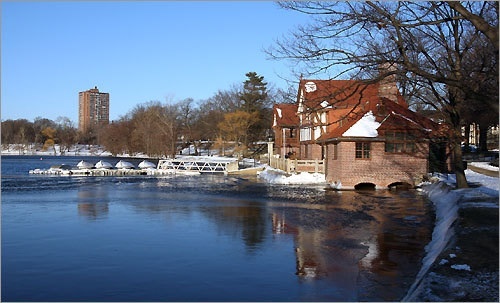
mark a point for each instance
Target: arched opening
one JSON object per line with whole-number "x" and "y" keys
{"x": 400, "y": 186}
{"x": 364, "y": 186}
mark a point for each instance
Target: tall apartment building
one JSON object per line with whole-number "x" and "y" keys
{"x": 93, "y": 109}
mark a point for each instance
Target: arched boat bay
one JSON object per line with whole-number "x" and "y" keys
{"x": 204, "y": 238}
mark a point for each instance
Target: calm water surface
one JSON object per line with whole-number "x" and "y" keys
{"x": 202, "y": 238}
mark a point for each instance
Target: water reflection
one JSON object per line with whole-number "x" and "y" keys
{"x": 93, "y": 203}
{"x": 374, "y": 241}
{"x": 367, "y": 243}
{"x": 245, "y": 220}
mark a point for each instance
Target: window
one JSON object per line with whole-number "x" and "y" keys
{"x": 305, "y": 134}
{"x": 399, "y": 142}
{"x": 362, "y": 150}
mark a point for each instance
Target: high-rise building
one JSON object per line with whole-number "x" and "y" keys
{"x": 93, "y": 109}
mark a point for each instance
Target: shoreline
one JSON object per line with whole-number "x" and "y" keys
{"x": 465, "y": 228}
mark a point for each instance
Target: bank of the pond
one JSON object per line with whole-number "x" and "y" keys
{"x": 461, "y": 262}
{"x": 462, "y": 259}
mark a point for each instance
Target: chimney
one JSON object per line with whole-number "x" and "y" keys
{"x": 387, "y": 86}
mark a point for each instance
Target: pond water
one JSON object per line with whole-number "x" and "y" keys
{"x": 202, "y": 238}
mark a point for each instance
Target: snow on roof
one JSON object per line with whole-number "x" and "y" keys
{"x": 410, "y": 120}
{"x": 365, "y": 127}
{"x": 285, "y": 115}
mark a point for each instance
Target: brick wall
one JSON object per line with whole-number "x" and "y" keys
{"x": 381, "y": 169}
{"x": 310, "y": 152}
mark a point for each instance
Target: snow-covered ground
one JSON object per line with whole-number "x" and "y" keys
{"x": 75, "y": 150}
{"x": 79, "y": 150}
{"x": 276, "y": 176}
{"x": 484, "y": 165}
{"x": 447, "y": 202}
{"x": 488, "y": 185}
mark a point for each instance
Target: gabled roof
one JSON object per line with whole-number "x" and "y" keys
{"x": 340, "y": 93}
{"x": 285, "y": 115}
{"x": 389, "y": 116}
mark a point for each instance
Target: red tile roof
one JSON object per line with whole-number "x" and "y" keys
{"x": 286, "y": 115}
{"x": 348, "y": 101}
{"x": 391, "y": 115}
{"x": 341, "y": 93}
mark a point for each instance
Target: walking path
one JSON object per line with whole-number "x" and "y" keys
{"x": 483, "y": 171}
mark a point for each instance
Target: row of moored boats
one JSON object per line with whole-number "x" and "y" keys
{"x": 104, "y": 168}
{"x": 120, "y": 165}
{"x": 100, "y": 168}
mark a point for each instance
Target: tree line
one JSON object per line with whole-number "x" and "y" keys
{"x": 240, "y": 115}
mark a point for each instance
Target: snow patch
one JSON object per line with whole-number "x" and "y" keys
{"x": 484, "y": 165}
{"x": 276, "y": 176}
{"x": 443, "y": 262}
{"x": 446, "y": 206}
{"x": 325, "y": 104}
{"x": 461, "y": 267}
{"x": 365, "y": 127}
{"x": 279, "y": 112}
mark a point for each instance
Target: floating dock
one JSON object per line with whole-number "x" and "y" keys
{"x": 183, "y": 166}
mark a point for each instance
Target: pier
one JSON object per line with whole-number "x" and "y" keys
{"x": 181, "y": 166}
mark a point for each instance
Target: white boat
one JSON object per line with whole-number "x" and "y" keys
{"x": 124, "y": 164}
{"x": 60, "y": 167}
{"x": 103, "y": 164}
{"x": 146, "y": 164}
{"x": 84, "y": 165}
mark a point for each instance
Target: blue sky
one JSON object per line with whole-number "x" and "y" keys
{"x": 135, "y": 51}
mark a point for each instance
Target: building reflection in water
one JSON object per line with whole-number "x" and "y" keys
{"x": 93, "y": 203}
{"x": 241, "y": 217}
{"x": 309, "y": 260}
{"x": 374, "y": 239}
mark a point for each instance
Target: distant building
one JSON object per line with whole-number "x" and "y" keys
{"x": 93, "y": 109}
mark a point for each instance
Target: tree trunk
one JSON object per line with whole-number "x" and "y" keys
{"x": 483, "y": 137}
{"x": 458, "y": 166}
{"x": 456, "y": 147}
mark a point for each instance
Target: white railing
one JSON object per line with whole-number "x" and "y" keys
{"x": 212, "y": 166}
{"x": 290, "y": 166}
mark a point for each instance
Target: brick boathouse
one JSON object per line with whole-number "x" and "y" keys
{"x": 364, "y": 132}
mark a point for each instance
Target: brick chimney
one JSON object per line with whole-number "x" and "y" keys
{"x": 387, "y": 86}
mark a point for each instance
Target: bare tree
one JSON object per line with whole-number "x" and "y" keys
{"x": 66, "y": 132}
{"x": 428, "y": 42}
{"x": 169, "y": 124}
{"x": 116, "y": 136}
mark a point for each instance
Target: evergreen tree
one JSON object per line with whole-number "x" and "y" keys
{"x": 254, "y": 100}
{"x": 254, "y": 95}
